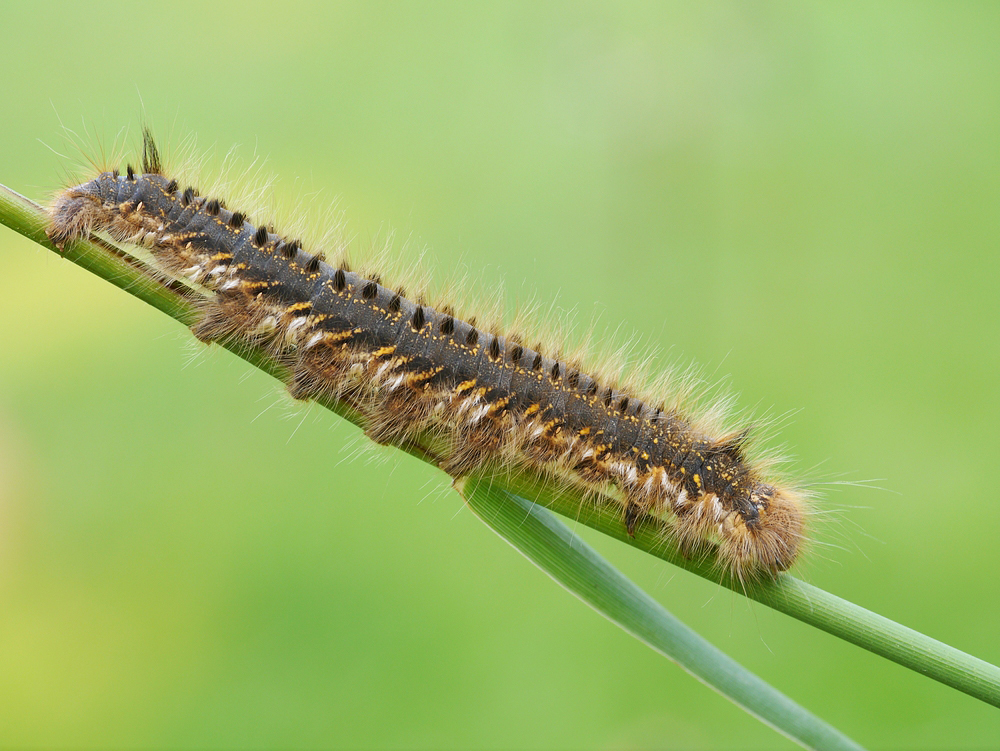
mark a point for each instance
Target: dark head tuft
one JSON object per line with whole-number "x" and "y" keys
{"x": 151, "y": 164}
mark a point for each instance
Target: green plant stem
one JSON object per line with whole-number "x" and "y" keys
{"x": 786, "y": 594}
{"x": 554, "y": 548}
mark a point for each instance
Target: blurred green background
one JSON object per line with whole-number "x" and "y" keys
{"x": 801, "y": 198}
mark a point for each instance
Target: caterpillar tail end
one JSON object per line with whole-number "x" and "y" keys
{"x": 770, "y": 543}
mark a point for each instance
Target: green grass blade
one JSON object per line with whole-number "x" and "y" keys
{"x": 786, "y": 594}
{"x": 553, "y": 547}
{"x": 793, "y": 597}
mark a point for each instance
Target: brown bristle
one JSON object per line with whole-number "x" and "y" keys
{"x": 447, "y": 325}
{"x": 516, "y": 353}
{"x": 494, "y": 348}
{"x": 260, "y": 237}
{"x": 472, "y": 338}
{"x": 237, "y": 219}
{"x": 417, "y": 321}
{"x": 394, "y": 304}
{"x": 312, "y": 265}
{"x": 536, "y": 364}
{"x": 212, "y": 207}
{"x": 129, "y": 172}
{"x": 339, "y": 280}
{"x": 369, "y": 291}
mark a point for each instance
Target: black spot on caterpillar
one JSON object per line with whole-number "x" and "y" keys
{"x": 418, "y": 368}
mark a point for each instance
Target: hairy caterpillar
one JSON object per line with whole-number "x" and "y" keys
{"x": 412, "y": 367}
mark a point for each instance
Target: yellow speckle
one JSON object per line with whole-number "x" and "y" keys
{"x": 464, "y": 386}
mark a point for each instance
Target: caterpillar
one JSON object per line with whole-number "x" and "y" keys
{"x": 413, "y": 367}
